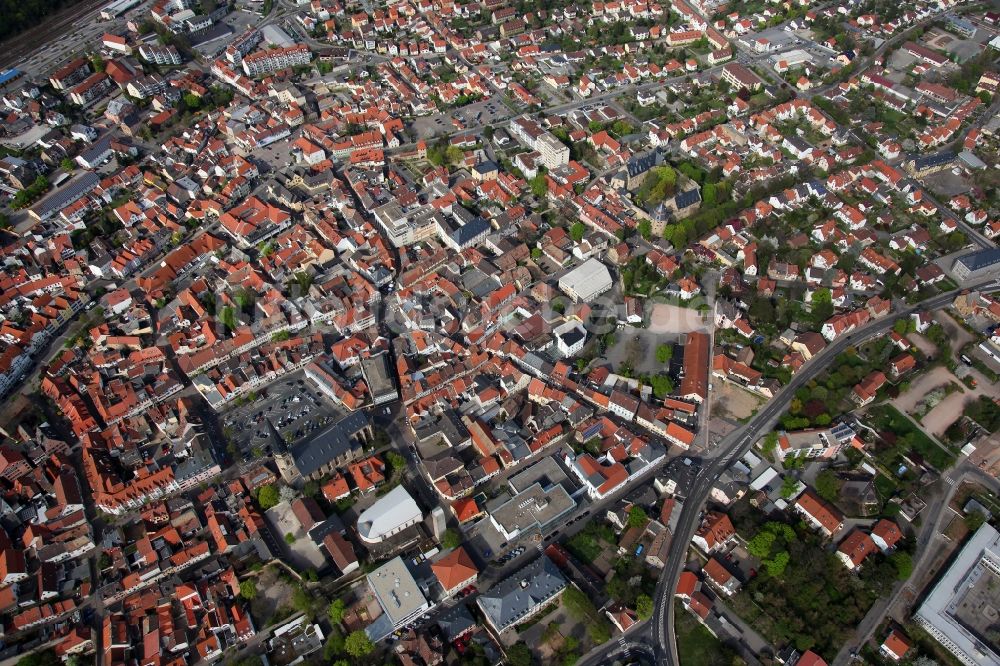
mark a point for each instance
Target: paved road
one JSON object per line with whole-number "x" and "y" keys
{"x": 659, "y": 631}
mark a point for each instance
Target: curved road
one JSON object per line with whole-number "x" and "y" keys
{"x": 658, "y": 633}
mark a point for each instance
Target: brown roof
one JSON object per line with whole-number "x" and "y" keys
{"x": 718, "y": 573}
{"x": 701, "y": 604}
{"x": 812, "y": 341}
{"x": 897, "y": 644}
{"x": 307, "y": 512}
{"x": 686, "y": 584}
{"x": 695, "y": 380}
{"x": 340, "y": 549}
{"x": 857, "y": 546}
{"x": 829, "y": 517}
{"x": 888, "y": 531}
{"x": 716, "y": 528}
{"x": 454, "y": 568}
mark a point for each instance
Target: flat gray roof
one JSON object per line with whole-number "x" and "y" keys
{"x": 588, "y": 279}
{"x": 396, "y": 590}
{"x": 546, "y": 472}
{"x": 957, "y": 611}
{"x": 378, "y": 376}
{"x": 534, "y": 506}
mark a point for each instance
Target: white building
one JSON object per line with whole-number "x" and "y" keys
{"x": 399, "y": 595}
{"x": 587, "y": 281}
{"x": 390, "y": 515}
{"x": 953, "y": 609}
{"x": 160, "y": 55}
{"x": 272, "y": 60}
{"x": 570, "y": 338}
{"x": 554, "y": 152}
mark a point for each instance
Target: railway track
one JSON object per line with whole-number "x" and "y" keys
{"x": 15, "y": 49}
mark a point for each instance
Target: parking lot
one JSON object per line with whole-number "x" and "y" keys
{"x": 290, "y": 409}
{"x": 485, "y": 112}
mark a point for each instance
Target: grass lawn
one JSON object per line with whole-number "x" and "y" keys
{"x": 586, "y": 544}
{"x": 888, "y": 419}
{"x": 885, "y": 486}
{"x": 696, "y": 646}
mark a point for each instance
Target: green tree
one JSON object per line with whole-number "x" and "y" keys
{"x": 454, "y": 155}
{"x": 645, "y": 228}
{"x": 519, "y": 654}
{"x": 678, "y": 236}
{"x": 229, "y": 318}
{"x": 770, "y": 443}
{"x": 66, "y": 164}
{"x": 577, "y": 231}
{"x": 709, "y": 194}
{"x": 451, "y": 539}
{"x": 664, "y": 353}
{"x": 40, "y": 658}
{"x": 192, "y": 102}
{"x": 268, "y": 497}
{"x": 289, "y": 538}
{"x": 539, "y": 186}
{"x": 789, "y": 486}
{"x": 599, "y": 632}
{"x": 621, "y": 128}
{"x": 248, "y": 589}
{"x": 822, "y": 305}
{"x": 903, "y": 564}
{"x": 777, "y": 564}
{"x": 357, "y": 644}
{"x": 662, "y": 385}
{"x": 336, "y": 611}
{"x": 334, "y": 646}
{"x": 637, "y": 517}
{"x": 644, "y": 607}
{"x": 760, "y": 545}
{"x": 828, "y": 485}
{"x": 397, "y": 463}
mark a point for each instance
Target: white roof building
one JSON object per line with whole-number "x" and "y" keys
{"x": 587, "y": 281}
{"x": 954, "y": 613}
{"x": 399, "y": 596}
{"x": 390, "y": 515}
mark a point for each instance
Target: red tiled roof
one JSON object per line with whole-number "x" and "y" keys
{"x": 454, "y": 569}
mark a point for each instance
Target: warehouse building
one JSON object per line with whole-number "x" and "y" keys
{"x": 587, "y": 281}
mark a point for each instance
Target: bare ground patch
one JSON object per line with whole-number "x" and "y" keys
{"x": 668, "y": 318}
{"x": 732, "y": 402}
